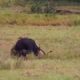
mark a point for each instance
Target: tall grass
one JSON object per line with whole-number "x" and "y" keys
{"x": 39, "y": 19}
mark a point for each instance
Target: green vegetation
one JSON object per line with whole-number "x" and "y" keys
{"x": 37, "y": 6}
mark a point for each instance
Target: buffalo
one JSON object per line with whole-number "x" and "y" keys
{"x": 25, "y": 46}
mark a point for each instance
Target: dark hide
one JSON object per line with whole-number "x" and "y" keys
{"x": 25, "y": 46}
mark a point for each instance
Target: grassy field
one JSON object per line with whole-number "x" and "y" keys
{"x": 63, "y": 63}
{"x": 11, "y": 18}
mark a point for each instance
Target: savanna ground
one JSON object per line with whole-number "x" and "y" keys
{"x": 63, "y": 63}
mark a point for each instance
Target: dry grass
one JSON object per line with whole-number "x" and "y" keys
{"x": 64, "y": 42}
{"x": 44, "y": 69}
{"x": 39, "y": 19}
{"x": 61, "y": 64}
